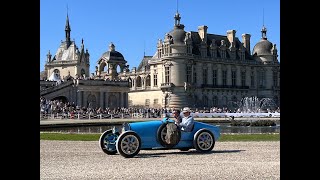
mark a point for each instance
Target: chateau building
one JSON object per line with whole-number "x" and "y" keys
{"x": 199, "y": 69}
{"x": 195, "y": 69}
{"x": 67, "y": 78}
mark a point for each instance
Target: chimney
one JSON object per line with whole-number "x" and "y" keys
{"x": 231, "y": 34}
{"x": 202, "y": 31}
{"x": 246, "y": 42}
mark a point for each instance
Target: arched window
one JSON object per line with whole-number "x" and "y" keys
{"x": 138, "y": 81}
{"x": 56, "y": 71}
{"x": 118, "y": 68}
{"x": 92, "y": 101}
{"x": 148, "y": 81}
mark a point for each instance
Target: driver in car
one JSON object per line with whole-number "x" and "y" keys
{"x": 187, "y": 121}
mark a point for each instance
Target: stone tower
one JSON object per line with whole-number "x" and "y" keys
{"x": 69, "y": 61}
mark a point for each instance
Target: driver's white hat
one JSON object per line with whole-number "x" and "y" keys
{"x": 186, "y": 109}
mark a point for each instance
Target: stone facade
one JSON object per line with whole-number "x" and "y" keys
{"x": 198, "y": 69}
{"x": 195, "y": 69}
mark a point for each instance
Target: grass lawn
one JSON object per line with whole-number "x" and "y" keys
{"x": 95, "y": 137}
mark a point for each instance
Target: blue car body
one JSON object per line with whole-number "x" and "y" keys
{"x": 148, "y": 133}
{"x": 136, "y": 136}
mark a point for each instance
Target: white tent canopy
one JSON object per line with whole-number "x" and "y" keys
{"x": 54, "y": 77}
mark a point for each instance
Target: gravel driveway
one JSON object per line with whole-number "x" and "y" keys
{"x": 228, "y": 160}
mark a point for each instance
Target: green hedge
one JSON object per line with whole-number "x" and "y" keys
{"x": 253, "y": 123}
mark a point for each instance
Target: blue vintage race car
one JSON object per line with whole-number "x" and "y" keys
{"x": 136, "y": 136}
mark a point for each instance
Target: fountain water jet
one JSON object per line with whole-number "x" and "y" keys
{"x": 254, "y": 105}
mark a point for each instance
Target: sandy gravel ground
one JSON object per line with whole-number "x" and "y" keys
{"x": 228, "y": 160}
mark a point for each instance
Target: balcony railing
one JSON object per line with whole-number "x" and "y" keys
{"x": 223, "y": 86}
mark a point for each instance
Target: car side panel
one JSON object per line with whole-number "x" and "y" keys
{"x": 148, "y": 133}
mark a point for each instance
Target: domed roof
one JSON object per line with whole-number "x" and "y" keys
{"x": 112, "y": 55}
{"x": 178, "y": 34}
{"x": 263, "y": 47}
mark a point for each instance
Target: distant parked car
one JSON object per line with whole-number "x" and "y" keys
{"x": 150, "y": 135}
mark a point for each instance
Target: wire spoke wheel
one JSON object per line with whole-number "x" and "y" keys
{"x": 107, "y": 142}
{"x": 128, "y": 144}
{"x": 203, "y": 140}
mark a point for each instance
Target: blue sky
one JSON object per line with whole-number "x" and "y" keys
{"x": 134, "y": 26}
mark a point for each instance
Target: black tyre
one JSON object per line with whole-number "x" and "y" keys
{"x": 203, "y": 140}
{"x": 128, "y": 144}
{"x": 161, "y": 135}
{"x": 107, "y": 142}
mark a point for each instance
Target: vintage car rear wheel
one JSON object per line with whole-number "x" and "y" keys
{"x": 128, "y": 144}
{"x": 161, "y": 134}
{"x": 107, "y": 142}
{"x": 203, "y": 140}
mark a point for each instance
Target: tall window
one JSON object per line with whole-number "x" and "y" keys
{"x": 214, "y": 77}
{"x": 167, "y": 75}
{"x": 148, "y": 81}
{"x": 224, "y": 77}
{"x": 262, "y": 78}
{"x": 205, "y": 76}
{"x": 189, "y": 73}
{"x": 275, "y": 79}
{"x": 233, "y": 78}
{"x": 155, "y": 79}
{"x": 194, "y": 75}
{"x": 243, "y": 78}
{"x": 252, "y": 78}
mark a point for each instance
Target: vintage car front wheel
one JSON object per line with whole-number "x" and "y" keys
{"x": 107, "y": 142}
{"x": 161, "y": 136}
{"x": 128, "y": 144}
{"x": 203, "y": 140}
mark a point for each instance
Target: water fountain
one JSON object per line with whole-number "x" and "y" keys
{"x": 253, "y": 108}
{"x": 254, "y": 105}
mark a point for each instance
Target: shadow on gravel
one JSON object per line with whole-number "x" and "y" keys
{"x": 190, "y": 152}
{"x": 228, "y": 151}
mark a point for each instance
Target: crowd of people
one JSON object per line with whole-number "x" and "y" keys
{"x": 60, "y": 109}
